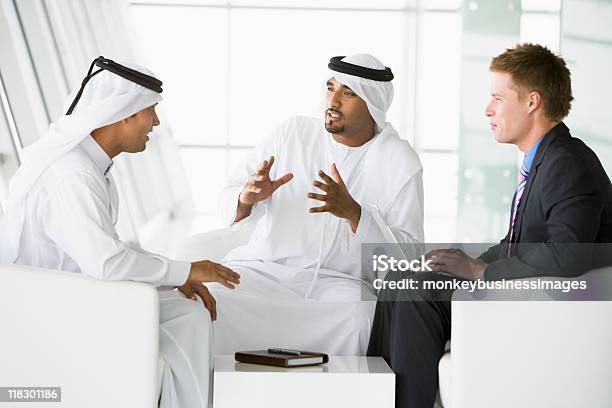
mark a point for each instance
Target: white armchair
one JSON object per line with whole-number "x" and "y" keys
{"x": 96, "y": 340}
{"x": 515, "y": 353}
{"x": 530, "y": 353}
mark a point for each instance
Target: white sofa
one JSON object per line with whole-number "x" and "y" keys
{"x": 514, "y": 353}
{"x": 96, "y": 340}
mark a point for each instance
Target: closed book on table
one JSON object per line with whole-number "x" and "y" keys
{"x": 265, "y": 357}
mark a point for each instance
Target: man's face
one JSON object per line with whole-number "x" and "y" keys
{"x": 136, "y": 129}
{"x": 508, "y": 112}
{"x": 345, "y": 112}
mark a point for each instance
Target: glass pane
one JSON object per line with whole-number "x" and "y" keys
{"x": 440, "y": 178}
{"x": 350, "y": 4}
{"x": 179, "y": 3}
{"x": 486, "y": 168}
{"x": 20, "y": 86}
{"x": 587, "y": 47}
{"x": 439, "y": 82}
{"x": 440, "y": 229}
{"x": 203, "y": 168}
{"x": 442, "y": 4}
{"x": 187, "y": 48}
{"x": 541, "y": 5}
{"x": 591, "y": 88}
{"x": 235, "y": 159}
{"x": 8, "y": 157}
{"x": 45, "y": 61}
{"x": 274, "y": 75}
{"x": 589, "y": 20}
{"x": 541, "y": 29}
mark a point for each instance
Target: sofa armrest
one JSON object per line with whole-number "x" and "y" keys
{"x": 514, "y": 353}
{"x": 96, "y": 340}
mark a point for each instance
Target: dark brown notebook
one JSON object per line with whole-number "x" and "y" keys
{"x": 306, "y": 358}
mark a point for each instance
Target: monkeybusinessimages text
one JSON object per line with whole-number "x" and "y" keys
{"x": 385, "y": 263}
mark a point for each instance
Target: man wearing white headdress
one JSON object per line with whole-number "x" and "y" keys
{"x": 314, "y": 191}
{"x": 63, "y": 207}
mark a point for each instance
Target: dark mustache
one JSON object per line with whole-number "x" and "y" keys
{"x": 334, "y": 110}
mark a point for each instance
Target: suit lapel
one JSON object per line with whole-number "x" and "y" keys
{"x": 560, "y": 130}
{"x": 511, "y": 211}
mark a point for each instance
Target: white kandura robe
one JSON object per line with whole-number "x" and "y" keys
{"x": 70, "y": 225}
{"x": 301, "y": 283}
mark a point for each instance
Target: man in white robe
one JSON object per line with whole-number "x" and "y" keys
{"x": 314, "y": 191}
{"x": 63, "y": 208}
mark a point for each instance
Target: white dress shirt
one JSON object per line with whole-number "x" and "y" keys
{"x": 70, "y": 224}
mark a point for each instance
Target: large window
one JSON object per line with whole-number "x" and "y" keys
{"x": 46, "y": 47}
{"x": 234, "y": 71}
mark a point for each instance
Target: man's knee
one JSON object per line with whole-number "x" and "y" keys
{"x": 195, "y": 312}
{"x": 201, "y": 314}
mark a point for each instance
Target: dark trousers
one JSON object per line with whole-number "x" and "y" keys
{"x": 410, "y": 330}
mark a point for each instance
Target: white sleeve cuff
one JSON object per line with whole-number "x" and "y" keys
{"x": 363, "y": 227}
{"x": 257, "y": 211}
{"x": 348, "y": 238}
{"x": 177, "y": 275}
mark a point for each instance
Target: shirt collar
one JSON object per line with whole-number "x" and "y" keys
{"x": 97, "y": 155}
{"x": 528, "y": 161}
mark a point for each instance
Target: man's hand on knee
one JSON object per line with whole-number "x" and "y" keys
{"x": 207, "y": 271}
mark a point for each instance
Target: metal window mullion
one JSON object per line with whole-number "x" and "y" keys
{"x": 31, "y": 58}
{"x": 56, "y": 48}
{"x": 10, "y": 120}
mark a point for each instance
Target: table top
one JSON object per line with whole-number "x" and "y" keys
{"x": 336, "y": 365}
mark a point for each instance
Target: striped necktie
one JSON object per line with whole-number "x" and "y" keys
{"x": 522, "y": 181}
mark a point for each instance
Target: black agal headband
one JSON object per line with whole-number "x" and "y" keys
{"x": 383, "y": 75}
{"x": 144, "y": 80}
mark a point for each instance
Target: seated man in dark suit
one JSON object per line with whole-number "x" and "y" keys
{"x": 562, "y": 207}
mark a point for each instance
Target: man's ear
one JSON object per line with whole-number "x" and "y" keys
{"x": 534, "y": 100}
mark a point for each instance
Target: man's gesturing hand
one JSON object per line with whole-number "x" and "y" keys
{"x": 258, "y": 188}
{"x": 338, "y": 201}
{"x": 206, "y": 271}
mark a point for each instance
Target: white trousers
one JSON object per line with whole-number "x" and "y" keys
{"x": 262, "y": 312}
{"x": 185, "y": 340}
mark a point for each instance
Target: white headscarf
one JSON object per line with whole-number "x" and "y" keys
{"x": 107, "y": 98}
{"x": 377, "y": 95}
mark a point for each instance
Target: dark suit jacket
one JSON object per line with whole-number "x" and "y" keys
{"x": 566, "y": 207}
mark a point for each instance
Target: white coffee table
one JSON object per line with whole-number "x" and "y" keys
{"x": 355, "y": 382}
